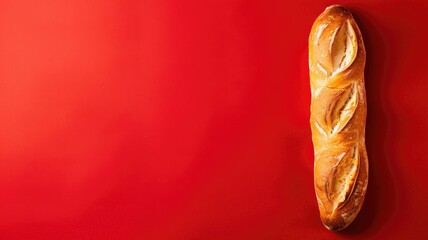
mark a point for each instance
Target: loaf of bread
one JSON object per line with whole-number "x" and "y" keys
{"x": 338, "y": 116}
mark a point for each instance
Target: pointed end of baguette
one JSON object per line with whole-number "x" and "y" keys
{"x": 334, "y": 222}
{"x": 336, "y": 8}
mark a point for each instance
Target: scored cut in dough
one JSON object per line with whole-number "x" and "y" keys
{"x": 343, "y": 48}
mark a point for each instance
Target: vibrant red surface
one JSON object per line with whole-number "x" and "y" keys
{"x": 190, "y": 120}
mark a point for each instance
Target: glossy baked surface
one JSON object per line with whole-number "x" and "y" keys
{"x": 337, "y": 59}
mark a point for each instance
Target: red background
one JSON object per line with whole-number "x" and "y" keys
{"x": 190, "y": 120}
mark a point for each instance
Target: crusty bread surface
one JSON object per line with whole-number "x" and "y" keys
{"x": 338, "y": 116}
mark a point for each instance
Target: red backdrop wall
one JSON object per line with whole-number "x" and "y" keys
{"x": 190, "y": 120}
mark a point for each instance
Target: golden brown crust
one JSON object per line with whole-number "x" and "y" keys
{"x": 338, "y": 116}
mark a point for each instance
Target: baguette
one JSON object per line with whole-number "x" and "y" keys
{"x": 338, "y": 116}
